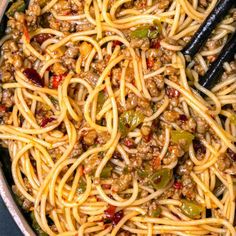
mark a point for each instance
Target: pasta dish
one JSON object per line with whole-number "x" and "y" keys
{"x": 108, "y": 129}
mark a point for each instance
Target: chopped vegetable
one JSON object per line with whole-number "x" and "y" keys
{"x": 110, "y": 211}
{"x": 129, "y": 142}
{"x": 3, "y": 108}
{"x": 157, "y": 212}
{"x": 145, "y": 32}
{"x": 153, "y": 34}
{"x": 106, "y": 172}
{"x": 117, "y": 217}
{"x": 85, "y": 48}
{"x": 233, "y": 119}
{"x": 26, "y": 33}
{"x": 40, "y": 38}
{"x": 157, "y": 23}
{"x": 191, "y": 209}
{"x": 161, "y": 178}
{"x": 178, "y": 185}
{"x": 112, "y": 216}
{"x": 150, "y": 62}
{"x": 142, "y": 173}
{"x": 101, "y": 99}
{"x": 36, "y": 226}
{"x": 129, "y": 120}
{"x": 53, "y": 100}
{"x": 82, "y": 186}
{"x": 18, "y": 6}
{"x": 177, "y": 136}
{"x": 141, "y": 32}
{"x": 56, "y": 79}
{"x": 47, "y": 120}
{"x": 33, "y": 76}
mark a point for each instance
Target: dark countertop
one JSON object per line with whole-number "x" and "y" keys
{"x": 7, "y": 224}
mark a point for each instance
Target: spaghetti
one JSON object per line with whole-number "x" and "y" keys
{"x": 106, "y": 129}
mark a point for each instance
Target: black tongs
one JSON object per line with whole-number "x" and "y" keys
{"x": 200, "y": 37}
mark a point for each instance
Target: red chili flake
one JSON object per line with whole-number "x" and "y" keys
{"x": 183, "y": 117}
{"x": 116, "y": 43}
{"x": 147, "y": 138}
{"x": 198, "y": 147}
{"x": 178, "y": 185}
{"x": 129, "y": 142}
{"x": 110, "y": 212}
{"x": 3, "y": 108}
{"x": 33, "y": 76}
{"x": 46, "y": 120}
{"x": 150, "y": 62}
{"x": 56, "y": 79}
{"x": 106, "y": 186}
{"x": 40, "y": 38}
{"x": 155, "y": 43}
{"x": 156, "y": 162}
{"x": 117, "y": 217}
{"x": 172, "y": 93}
{"x": 231, "y": 154}
{"x": 26, "y": 33}
{"x": 81, "y": 170}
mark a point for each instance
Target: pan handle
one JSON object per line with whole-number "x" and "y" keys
{"x": 3, "y": 7}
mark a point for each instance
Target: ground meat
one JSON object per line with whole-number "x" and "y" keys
{"x": 103, "y": 137}
{"x": 55, "y": 153}
{"x": 7, "y": 97}
{"x": 170, "y": 116}
{"x": 143, "y": 44}
{"x": 152, "y": 87}
{"x": 146, "y": 151}
{"x": 171, "y": 193}
{"x": 223, "y": 162}
{"x": 72, "y": 51}
{"x": 136, "y": 161}
{"x": 21, "y": 200}
{"x": 60, "y": 25}
{"x": 63, "y": 7}
{"x": 122, "y": 183}
{"x": 15, "y": 25}
{"x": 32, "y": 14}
{"x": 152, "y": 208}
{"x": 185, "y": 168}
{"x": 140, "y": 4}
{"x": 91, "y": 163}
{"x": 89, "y": 137}
{"x": 99, "y": 66}
{"x": 174, "y": 152}
{"x": 144, "y": 106}
{"x": 115, "y": 76}
{"x": 202, "y": 126}
{"x": 77, "y": 150}
{"x": 129, "y": 76}
{"x": 189, "y": 187}
{"x": 90, "y": 76}
{"x": 199, "y": 69}
{"x": 188, "y": 125}
{"x": 132, "y": 101}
